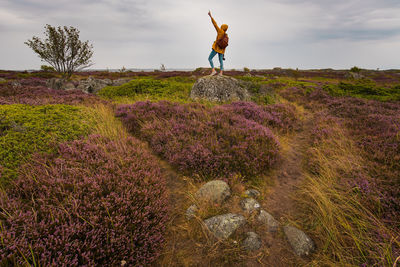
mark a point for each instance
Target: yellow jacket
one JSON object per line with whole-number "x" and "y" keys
{"x": 220, "y": 33}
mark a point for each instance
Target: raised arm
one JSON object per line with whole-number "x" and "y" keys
{"x": 214, "y": 22}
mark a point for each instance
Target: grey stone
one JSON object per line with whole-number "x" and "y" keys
{"x": 120, "y": 81}
{"x": 2, "y": 80}
{"x": 249, "y": 205}
{"x": 219, "y": 89}
{"x": 191, "y": 212}
{"x": 354, "y": 75}
{"x": 69, "y": 86}
{"x": 92, "y": 85}
{"x": 223, "y": 226}
{"x": 252, "y": 241}
{"x": 15, "y": 84}
{"x": 252, "y": 193}
{"x": 215, "y": 192}
{"x": 300, "y": 242}
{"x": 267, "y": 219}
{"x": 55, "y": 83}
{"x": 17, "y": 127}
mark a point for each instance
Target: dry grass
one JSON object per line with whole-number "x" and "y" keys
{"x": 105, "y": 122}
{"x": 347, "y": 233}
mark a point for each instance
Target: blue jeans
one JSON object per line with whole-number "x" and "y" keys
{"x": 220, "y": 56}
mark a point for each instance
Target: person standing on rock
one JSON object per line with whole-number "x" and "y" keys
{"x": 219, "y": 45}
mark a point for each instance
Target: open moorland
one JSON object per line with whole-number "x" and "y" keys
{"x": 105, "y": 179}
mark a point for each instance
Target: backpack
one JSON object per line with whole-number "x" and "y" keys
{"x": 223, "y": 42}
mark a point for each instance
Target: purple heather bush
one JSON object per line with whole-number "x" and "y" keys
{"x": 92, "y": 203}
{"x": 210, "y": 142}
{"x": 40, "y": 95}
{"x": 278, "y": 116}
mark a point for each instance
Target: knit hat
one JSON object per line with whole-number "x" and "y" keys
{"x": 224, "y": 27}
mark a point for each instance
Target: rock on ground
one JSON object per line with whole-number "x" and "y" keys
{"x": 252, "y": 241}
{"x": 121, "y": 81}
{"x": 223, "y": 226}
{"x": 92, "y": 85}
{"x": 214, "y": 192}
{"x": 267, "y": 219}
{"x": 56, "y": 83}
{"x": 354, "y": 75}
{"x": 89, "y": 85}
{"x": 219, "y": 89}
{"x": 252, "y": 193}
{"x": 249, "y": 205}
{"x": 300, "y": 242}
{"x": 191, "y": 212}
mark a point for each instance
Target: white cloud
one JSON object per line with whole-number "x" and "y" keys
{"x": 179, "y": 34}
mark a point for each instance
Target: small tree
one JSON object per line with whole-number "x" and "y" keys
{"x": 62, "y": 49}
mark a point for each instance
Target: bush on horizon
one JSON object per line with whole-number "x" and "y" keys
{"x": 208, "y": 142}
{"x": 27, "y": 129}
{"x": 92, "y": 202}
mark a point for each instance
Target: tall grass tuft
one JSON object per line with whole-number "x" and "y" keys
{"x": 347, "y": 232}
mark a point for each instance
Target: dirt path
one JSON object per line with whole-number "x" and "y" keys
{"x": 279, "y": 199}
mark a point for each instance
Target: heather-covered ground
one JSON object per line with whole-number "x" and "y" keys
{"x": 105, "y": 179}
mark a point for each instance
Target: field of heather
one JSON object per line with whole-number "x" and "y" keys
{"x": 105, "y": 179}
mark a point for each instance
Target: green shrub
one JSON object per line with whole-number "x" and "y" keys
{"x": 355, "y": 69}
{"x": 174, "y": 89}
{"x": 47, "y": 68}
{"x": 266, "y": 99}
{"x": 364, "y": 88}
{"x": 26, "y": 129}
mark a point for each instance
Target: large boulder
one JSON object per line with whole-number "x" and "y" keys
{"x": 223, "y": 226}
{"x": 120, "y": 81}
{"x": 219, "y": 89}
{"x": 213, "y": 192}
{"x": 300, "y": 242}
{"x": 92, "y": 85}
{"x": 56, "y": 83}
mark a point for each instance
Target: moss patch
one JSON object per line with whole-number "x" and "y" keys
{"x": 27, "y": 129}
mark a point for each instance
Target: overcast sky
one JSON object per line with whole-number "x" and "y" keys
{"x": 300, "y": 34}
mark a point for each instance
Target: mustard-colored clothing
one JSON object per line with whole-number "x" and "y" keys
{"x": 220, "y": 34}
